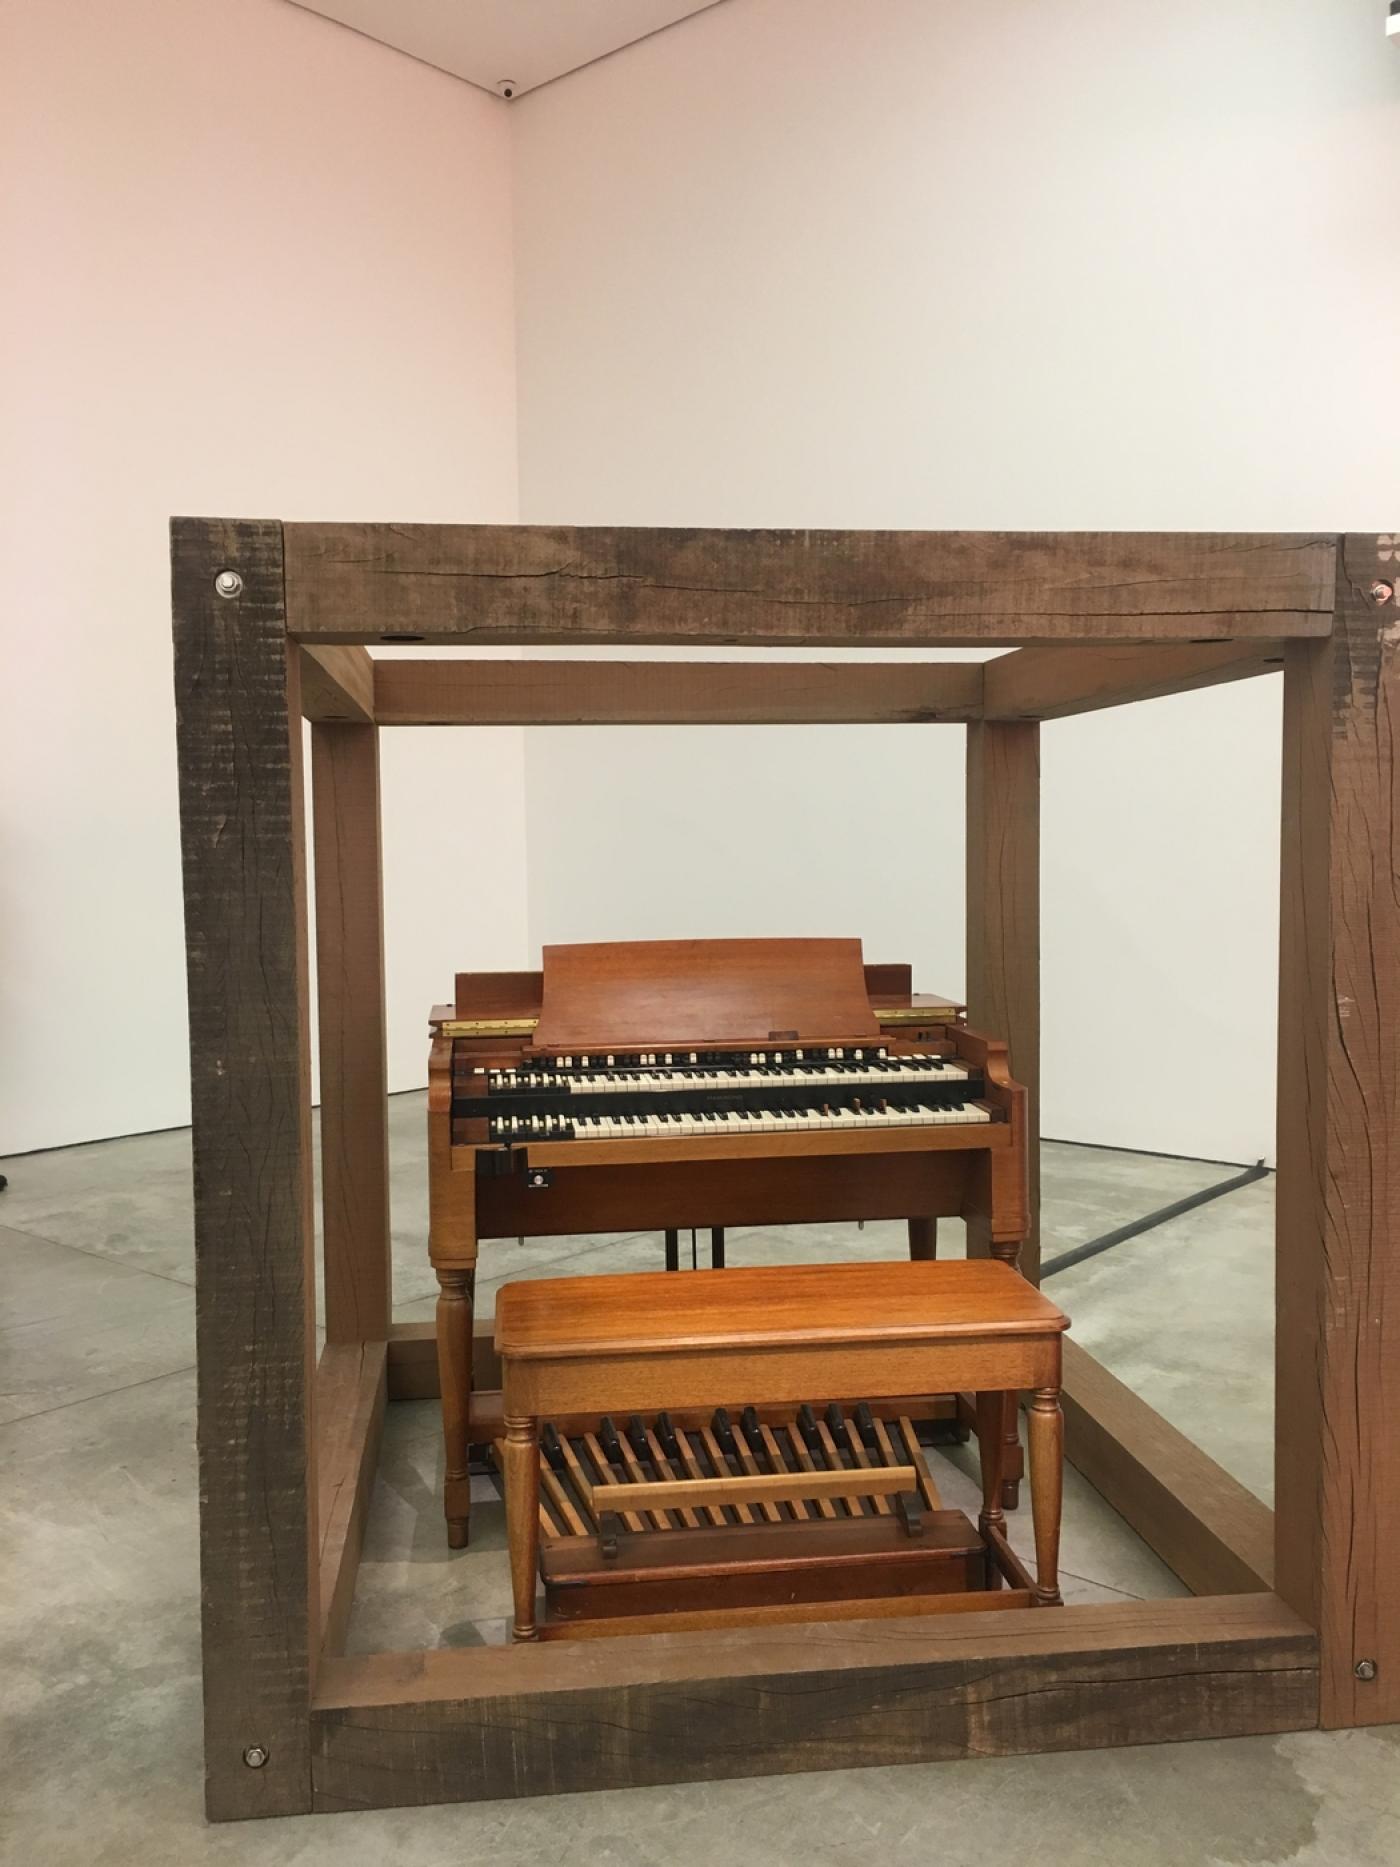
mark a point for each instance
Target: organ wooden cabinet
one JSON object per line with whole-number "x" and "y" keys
{"x": 655, "y": 1085}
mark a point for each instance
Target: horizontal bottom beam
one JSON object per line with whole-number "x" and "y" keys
{"x": 454, "y": 1725}
{"x": 413, "y": 1363}
{"x": 1203, "y": 1523}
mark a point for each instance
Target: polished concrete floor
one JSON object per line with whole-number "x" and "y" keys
{"x": 99, "y": 1691}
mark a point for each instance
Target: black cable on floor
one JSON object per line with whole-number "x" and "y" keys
{"x": 1174, "y": 1211}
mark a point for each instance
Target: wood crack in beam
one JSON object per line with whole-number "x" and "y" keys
{"x": 534, "y": 584}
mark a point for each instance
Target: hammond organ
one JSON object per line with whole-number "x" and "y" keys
{"x": 655, "y": 1085}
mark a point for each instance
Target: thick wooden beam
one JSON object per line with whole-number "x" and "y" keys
{"x": 540, "y": 583}
{"x": 241, "y": 814}
{"x": 1052, "y": 683}
{"x": 672, "y": 693}
{"x": 354, "y": 1049}
{"x": 337, "y": 684}
{"x": 350, "y": 1399}
{"x": 1207, "y": 1528}
{"x": 1003, "y": 918}
{"x": 1337, "y": 1510}
{"x": 452, "y": 1725}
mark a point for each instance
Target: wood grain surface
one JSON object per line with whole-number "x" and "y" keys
{"x": 1054, "y": 683}
{"x": 1337, "y": 1514}
{"x": 443, "y": 1725}
{"x": 238, "y": 724}
{"x": 351, "y": 1024}
{"x": 757, "y": 1305}
{"x": 672, "y": 693}
{"x": 1003, "y": 928}
{"x": 531, "y": 584}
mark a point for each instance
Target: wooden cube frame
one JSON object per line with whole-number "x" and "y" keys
{"x": 1295, "y": 1617}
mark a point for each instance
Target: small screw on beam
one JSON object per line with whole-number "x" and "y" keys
{"x": 1382, "y": 592}
{"x": 255, "y": 1756}
{"x": 228, "y": 583}
{"x": 1366, "y": 1669}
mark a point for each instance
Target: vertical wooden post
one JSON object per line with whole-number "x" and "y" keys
{"x": 239, "y": 737}
{"x": 354, "y": 1056}
{"x": 1337, "y": 1510}
{"x": 1003, "y": 920}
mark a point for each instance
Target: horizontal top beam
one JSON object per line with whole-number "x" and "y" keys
{"x": 673, "y": 693}
{"x": 1053, "y": 683}
{"x": 528, "y": 584}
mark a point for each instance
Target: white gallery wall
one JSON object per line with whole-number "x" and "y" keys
{"x": 253, "y": 264}
{"x": 937, "y": 264}
{"x": 795, "y": 262}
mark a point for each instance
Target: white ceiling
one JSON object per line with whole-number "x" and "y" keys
{"x": 515, "y": 43}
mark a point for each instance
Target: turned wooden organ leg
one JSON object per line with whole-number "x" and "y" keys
{"x": 454, "y": 1344}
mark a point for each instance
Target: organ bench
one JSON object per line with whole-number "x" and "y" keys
{"x": 771, "y": 1335}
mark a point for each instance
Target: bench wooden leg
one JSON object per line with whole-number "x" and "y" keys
{"x": 1008, "y": 1251}
{"x": 454, "y": 1345}
{"x": 1045, "y": 1433}
{"x": 522, "y": 1475}
{"x": 991, "y": 1446}
{"x": 673, "y": 1250}
{"x": 923, "y": 1238}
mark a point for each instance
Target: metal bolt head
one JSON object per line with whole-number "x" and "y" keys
{"x": 1365, "y": 1669}
{"x": 1382, "y": 592}
{"x": 228, "y": 583}
{"x": 255, "y": 1756}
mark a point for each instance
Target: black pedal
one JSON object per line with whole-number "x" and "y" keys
{"x": 807, "y": 1426}
{"x": 865, "y": 1426}
{"x": 637, "y": 1436}
{"x": 723, "y": 1429}
{"x": 609, "y": 1441}
{"x": 609, "y": 1533}
{"x": 752, "y": 1430}
{"x": 666, "y": 1437}
{"x": 551, "y": 1448}
{"x": 836, "y": 1424}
